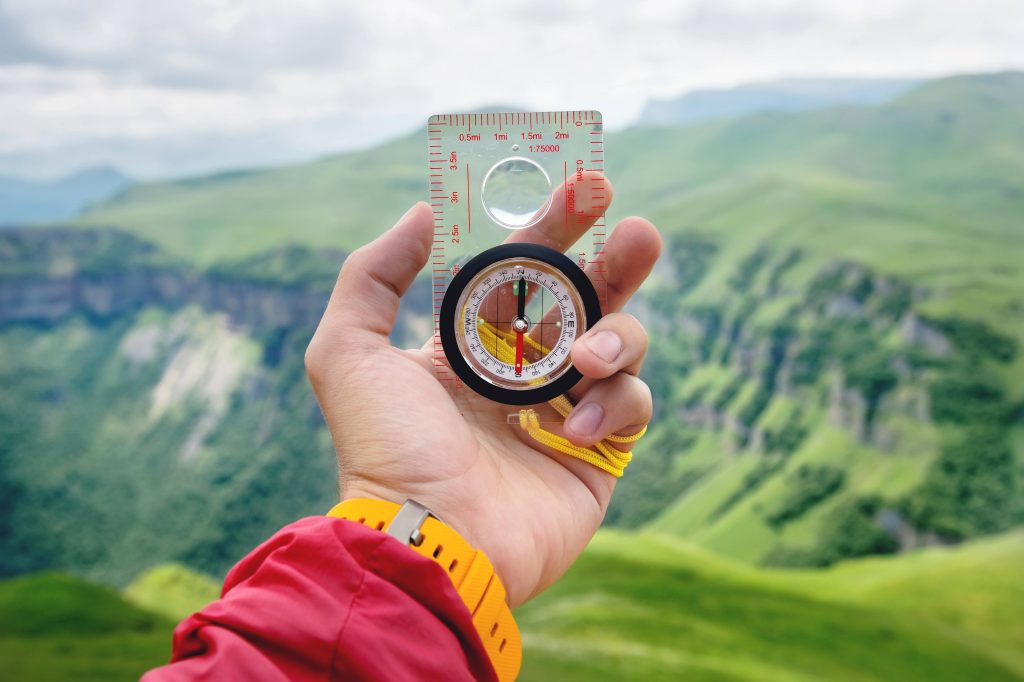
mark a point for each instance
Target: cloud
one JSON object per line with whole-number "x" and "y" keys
{"x": 310, "y": 76}
{"x": 15, "y": 46}
{"x": 188, "y": 43}
{"x": 725, "y": 19}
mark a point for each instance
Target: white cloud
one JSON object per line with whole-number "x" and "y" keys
{"x": 169, "y": 87}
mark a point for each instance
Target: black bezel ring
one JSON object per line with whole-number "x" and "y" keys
{"x": 449, "y": 312}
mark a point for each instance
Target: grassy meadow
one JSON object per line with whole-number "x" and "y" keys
{"x": 637, "y": 606}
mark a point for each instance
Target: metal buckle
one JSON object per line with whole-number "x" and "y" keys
{"x": 405, "y": 527}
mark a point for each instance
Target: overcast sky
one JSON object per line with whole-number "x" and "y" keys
{"x": 162, "y": 87}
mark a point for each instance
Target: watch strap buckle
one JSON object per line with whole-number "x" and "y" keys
{"x": 405, "y": 527}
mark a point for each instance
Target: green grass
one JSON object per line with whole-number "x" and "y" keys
{"x": 46, "y": 603}
{"x": 337, "y": 203}
{"x": 56, "y": 627}
{"x": 636, "y": 606}
{"x": 690, "y": 513}
{"x": 643, "y": 607}
{"x": 172, "y": 590}
{"x": 709, "y": 378}
{"x": 974, "y": 593}
{"x": 100, "y": 658}
{"x": 742, "y": 533}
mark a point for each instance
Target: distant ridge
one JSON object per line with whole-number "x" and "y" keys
{"x": 29, "y": 201}
{"x": 794, "y": 94}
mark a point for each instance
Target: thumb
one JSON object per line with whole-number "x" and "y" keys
{"x": 364, "y": 302}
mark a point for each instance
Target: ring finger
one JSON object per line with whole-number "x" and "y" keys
{"x": 619, "y": 405}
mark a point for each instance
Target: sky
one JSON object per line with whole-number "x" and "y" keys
{"x": 176, "y": 87}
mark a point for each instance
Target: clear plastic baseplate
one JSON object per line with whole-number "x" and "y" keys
{"x": 519, "y": 176}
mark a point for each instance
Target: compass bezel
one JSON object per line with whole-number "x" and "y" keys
{"x": 450, "y": 325}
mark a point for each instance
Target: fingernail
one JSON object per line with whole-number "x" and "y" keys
{"x": 605, "y": 345}
{"x": 585, "y": 419}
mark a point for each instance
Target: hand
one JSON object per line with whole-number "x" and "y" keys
{"x": 399, "y": 434}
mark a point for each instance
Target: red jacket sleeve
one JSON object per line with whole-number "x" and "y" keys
{"x": 326, "y": 599}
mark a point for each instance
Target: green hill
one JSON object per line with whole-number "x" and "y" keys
{"x": 644, "y": 607}
{"x": 635, "y": 607}
{"x": 972, "y": 593}
{"x": 55, "y": 627}
{"x": 337, "y": 203}
{"x": 172, "y": 590}
{"x": 929, "y": 187}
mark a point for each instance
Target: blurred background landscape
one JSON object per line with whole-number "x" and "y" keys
{"x": 833, "y": 487}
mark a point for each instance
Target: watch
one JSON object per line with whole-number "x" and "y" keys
{"x": 470, "y": 571}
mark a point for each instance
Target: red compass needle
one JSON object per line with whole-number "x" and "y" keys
{"x": 519, "y": 353}
{"x": 520, "y": 325}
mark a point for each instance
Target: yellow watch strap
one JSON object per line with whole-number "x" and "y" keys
{"x": 469, "y": 569}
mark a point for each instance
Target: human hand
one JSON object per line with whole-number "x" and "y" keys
{"x": 399, "y": 434}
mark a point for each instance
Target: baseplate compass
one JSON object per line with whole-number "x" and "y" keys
{"x": 511, "y": 192}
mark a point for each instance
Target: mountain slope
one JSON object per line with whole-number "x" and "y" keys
{"x": 154, "y": 435}
{"x": 972, "y": 591}
{"x": 172, "y": 590}
{"x": 644, "y": 607}
{"x": 55, "y": 627}
{"x": 338, "y": 203}
{"x": 928, "y": 186}
{"x": 797, "y": 94}
{"x": 836, "y": 329}
{"x": 27, "y": 201}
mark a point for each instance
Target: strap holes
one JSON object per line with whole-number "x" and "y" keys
{"x": 437, "y": 552}
{"x": 494, "y": 629}
{"x": 380, "y": 526}
{"x": 501, "y": 647}
{"x": 452, "y": 565}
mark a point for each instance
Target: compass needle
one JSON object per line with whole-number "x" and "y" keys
{"x": 520, "y": 325}
{"x": 521, "y": 311}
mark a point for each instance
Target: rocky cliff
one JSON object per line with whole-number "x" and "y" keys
{"x": 804, "y": 414}
{"x": 47, "y": 275}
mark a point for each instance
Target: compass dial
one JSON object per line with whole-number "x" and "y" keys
{"x": 509, "y": 319}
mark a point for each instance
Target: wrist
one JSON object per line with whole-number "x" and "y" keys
{"x": 456, "y": 512}
{"x": 469, "y": 569}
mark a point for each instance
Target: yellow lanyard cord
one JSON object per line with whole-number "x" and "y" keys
{"x": 488, "y": 333}
{"x": 603, "y": 455}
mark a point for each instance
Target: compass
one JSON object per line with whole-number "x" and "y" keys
{"x": 511, "y": 193}
{"x": 509, "y": 318}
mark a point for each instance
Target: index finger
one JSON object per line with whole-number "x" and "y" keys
{"x": 574, "y": 208}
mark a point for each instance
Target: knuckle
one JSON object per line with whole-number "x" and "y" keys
{"x": 312, "y": 358}
{"x": 353, "y": 262}
{"x": 316, "y": 359}
{"x": 644, "y": 400}
{"x": 628, "y": 325}
{"x": 639, "y": 330}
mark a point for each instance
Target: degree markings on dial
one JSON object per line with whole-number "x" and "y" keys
{"x": 559, "y": 351}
